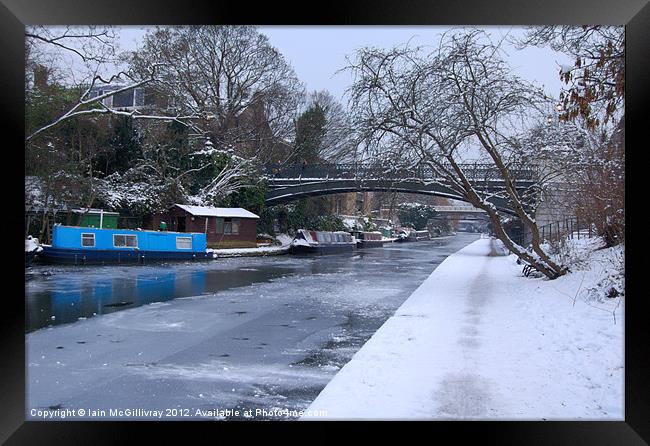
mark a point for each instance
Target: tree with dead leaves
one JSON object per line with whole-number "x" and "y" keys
{"x": 444, "y": 107}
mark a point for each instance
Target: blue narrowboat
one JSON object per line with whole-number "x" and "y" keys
{"x": 82, "y": 245}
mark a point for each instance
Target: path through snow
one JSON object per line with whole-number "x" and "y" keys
{"x": 477, "y": 340}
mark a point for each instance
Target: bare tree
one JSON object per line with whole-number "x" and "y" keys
{"x": 241, "y": 86}
{"x": 97, "y": 49}
{"x": 457, "y": 103}
{"x": 586, "y": 170}
{"x": 88, "y": 43}
{"x": 94, "y": 105}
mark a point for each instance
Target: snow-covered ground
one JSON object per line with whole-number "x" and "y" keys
{"x": 477, "y": 340}
{"x": 260, "y": 250}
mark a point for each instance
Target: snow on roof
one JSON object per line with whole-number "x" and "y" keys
{"x": 206, "y": 211}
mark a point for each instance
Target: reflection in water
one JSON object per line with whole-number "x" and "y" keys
{"x": 67, "y": 296}
{"x": 63, "y": 294}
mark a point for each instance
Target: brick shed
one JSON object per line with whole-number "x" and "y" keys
{"x": 223, "y": 227}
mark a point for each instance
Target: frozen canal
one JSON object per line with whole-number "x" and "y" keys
{"x": 193, "y": 340}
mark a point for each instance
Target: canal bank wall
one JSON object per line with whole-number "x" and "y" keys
{"x": 477, "y": 340}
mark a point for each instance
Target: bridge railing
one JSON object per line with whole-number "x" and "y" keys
{"x": 475, "y": 172}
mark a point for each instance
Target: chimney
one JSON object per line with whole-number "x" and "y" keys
{"x": 41, "y": 74}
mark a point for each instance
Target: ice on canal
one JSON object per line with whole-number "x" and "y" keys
{"x": 234, "y": 334}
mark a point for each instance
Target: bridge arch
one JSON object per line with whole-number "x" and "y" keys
{"x": 280, "y": 193}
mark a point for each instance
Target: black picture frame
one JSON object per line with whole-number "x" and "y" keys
{"x": 635, "y": 14}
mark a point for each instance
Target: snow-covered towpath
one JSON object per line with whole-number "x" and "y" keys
{"x": 477, "y": 340}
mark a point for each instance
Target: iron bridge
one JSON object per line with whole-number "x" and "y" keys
{"x": 289, "y": 183}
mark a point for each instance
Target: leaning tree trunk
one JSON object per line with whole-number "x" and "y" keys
{"x": 518, "y": 207}
{"x": 548, "y": 268}
{"x": 537, "y": 262}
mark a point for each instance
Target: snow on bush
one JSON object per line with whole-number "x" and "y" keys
{"x": 597, "y": 273}
{"x": 129, "y": 191}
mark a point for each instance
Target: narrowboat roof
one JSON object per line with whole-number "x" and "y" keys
{"x": 93, "y": 211}
{"x": 207, "y": 211}
{"x": 90, "y": 229}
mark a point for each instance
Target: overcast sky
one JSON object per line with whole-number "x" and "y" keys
{"x": 318, "y": 52}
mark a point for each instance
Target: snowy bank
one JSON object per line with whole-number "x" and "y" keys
{"x": 477, "y": 340}
{"x": 283, "y": 239}
{"x": 247, "y": 252}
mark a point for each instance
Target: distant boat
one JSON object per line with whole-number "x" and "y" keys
{"x": 82, "y": 245}
{"x": 413, "y": 236}
{"x": 320, "y": 242}
{"x": 369, "y": 239}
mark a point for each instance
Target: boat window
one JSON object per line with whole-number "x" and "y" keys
{"x": 327, "y": 238}
{"x": 183, "y": 242}
{"x": 88, "y": 240}
{"x": 125, "y": 241}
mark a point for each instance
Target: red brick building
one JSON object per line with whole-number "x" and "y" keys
{"x": 223, "y": 227}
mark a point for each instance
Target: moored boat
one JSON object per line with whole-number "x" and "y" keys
{"x": 413, "y": 236}
{"x": 421, "y": 235}
{"x": 321, "y": 242}
{"x": 83, "y": 245}
{"x": 368, "y": 239}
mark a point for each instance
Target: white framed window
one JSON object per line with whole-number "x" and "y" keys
{"x": 183, "y": 242}
{"x": 88, "y": 240}
{"x": 125, "y": 241}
